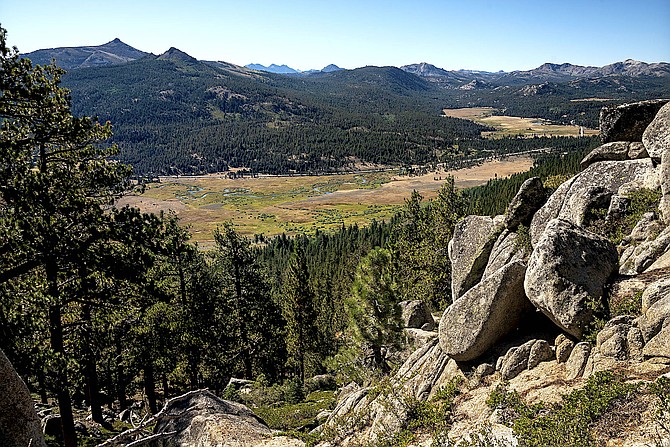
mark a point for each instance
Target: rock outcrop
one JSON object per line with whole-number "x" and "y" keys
{"x": 19, "y": 424}
{"x": 205, "y": 420}
{"x": 627, "y": 122}
{"x": 593, "y": 189}
{"x": 563, "y": 266}
{"x": 488, "y": 311}
{"x": 469, "y": 251}
{"x": 567, "y": 273}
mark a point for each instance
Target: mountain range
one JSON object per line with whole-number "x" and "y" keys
{"x": 118, "y": 52}
{"x": 284, "y": 69}
{"x": 174, "y": 114}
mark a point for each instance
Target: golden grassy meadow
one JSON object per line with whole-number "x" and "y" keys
{"x": 301, "y": 204}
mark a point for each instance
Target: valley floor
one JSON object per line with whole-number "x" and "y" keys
{"x": 302, "y": 204}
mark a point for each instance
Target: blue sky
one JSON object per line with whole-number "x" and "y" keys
{"x": 453, "y": 34}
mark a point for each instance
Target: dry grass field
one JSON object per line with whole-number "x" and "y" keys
{"x": 514, "y": 125}
{"x": 295, "y": 205}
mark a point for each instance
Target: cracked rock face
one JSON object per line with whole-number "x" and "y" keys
{"x": 568, "y": 270}
{"x": 485, "y": 314}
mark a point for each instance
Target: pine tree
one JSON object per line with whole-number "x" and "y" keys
{"x": 301, "y": 321}
{"x": 253, "y": 318}
{"x": 374, "y": 312}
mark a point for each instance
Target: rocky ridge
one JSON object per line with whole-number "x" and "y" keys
{"x": 554, "y": 263}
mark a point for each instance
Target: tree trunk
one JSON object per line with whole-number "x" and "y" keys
{"x": 62, "y": 385}
{"x": 41, "y": 383}
{"x": 166, "y": 388}
{"x": 120, "y": 378}
{"x": 150, "y": 384}
{"x": 90, "y": 370}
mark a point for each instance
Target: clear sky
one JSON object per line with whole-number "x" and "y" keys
{"x": 453, "y": 34}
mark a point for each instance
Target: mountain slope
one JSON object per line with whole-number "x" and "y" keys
{"x": 111, "y": 53}
{"x": 173, "y": 114}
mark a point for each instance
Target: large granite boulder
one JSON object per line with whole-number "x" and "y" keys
{"x": 616, "y": 150}
{"x": 567, "y": 271}
{"x": 485, "y": 314}
{"x": 204, "y": 420}
{"x": 469, "y": 251}
{"x": 627, "y": 122}
{"x": 530, "y": 198}
{"x": 19, "y": 424}
{"x": 656, "y": 137}
{"x": 508, "y": 248}
{"x": 416, "y": 314}
{"x": 592, "y": 189}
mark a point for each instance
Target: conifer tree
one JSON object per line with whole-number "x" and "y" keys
{"x": 253, "y": 317}
{"x": 56, "y": 191}
{"x": 374, "y": 312}
{"x": 298, "y": 309}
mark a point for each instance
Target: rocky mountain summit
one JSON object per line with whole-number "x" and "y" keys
{"x": 111, "y": 53}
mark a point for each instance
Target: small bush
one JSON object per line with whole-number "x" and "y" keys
{"x": 567, "y": 423}
{"x": 627, "y": 305}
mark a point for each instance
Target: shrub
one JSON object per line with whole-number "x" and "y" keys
{"x": 567, "y": 423}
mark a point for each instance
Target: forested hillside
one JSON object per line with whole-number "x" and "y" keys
{"x": 173, "y": 114}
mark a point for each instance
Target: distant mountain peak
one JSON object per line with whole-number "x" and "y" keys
{"x": 175, "y": 54}
{"x": 330, "y": 68}
{"x": 273, "y": 68}
{"x": 113, "y": 52}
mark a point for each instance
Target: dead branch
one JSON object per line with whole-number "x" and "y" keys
{"x": 125, "y": 438}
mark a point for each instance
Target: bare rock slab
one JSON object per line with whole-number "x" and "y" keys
{"x": 594, "y": 188}
{"x": 568, "y": 268}
{"x": 485, "y": 314}
{"x": 656, "y": 137}
{"x": 627, "y": 122}
{"x": 19, "y": 424}
{"x": 470, "y": 247}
